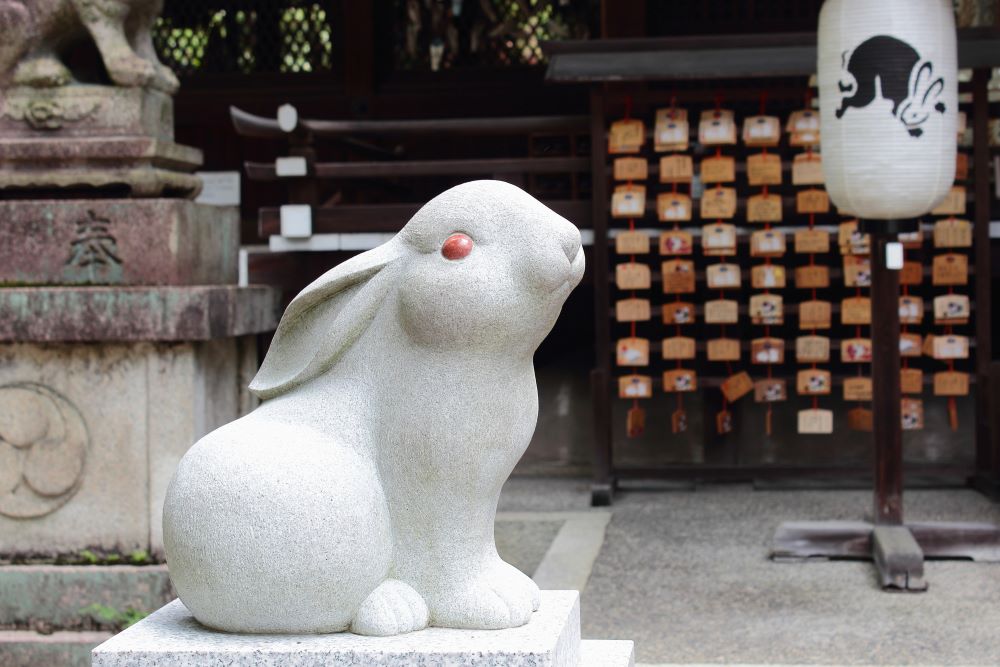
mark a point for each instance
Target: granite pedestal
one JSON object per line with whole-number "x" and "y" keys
{"x": 172, "y": 637}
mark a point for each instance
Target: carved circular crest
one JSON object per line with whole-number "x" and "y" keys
{"x": 43, "y": 448}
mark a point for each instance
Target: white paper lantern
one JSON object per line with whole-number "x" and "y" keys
{"x": 888, "y": 91}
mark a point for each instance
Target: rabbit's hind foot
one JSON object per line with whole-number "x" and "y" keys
{"x": 391, "y": 609}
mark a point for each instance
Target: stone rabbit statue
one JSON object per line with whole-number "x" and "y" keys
{"x": 399, "y": 392}
{"x": 34, "y": 32}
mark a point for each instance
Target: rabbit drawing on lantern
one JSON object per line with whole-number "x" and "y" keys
{"x": 399, "y": 392}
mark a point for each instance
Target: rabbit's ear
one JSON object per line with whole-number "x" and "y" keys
{"x": 325, "y": 319}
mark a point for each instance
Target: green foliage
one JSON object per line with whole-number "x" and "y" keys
{"x": 89, "y": 556}
{"x": 110, "y": 616}
{"x": 139, "y": 557}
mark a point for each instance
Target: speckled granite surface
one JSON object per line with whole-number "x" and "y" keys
{"x": 171, "y": 637}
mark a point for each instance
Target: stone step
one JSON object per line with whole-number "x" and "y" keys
{"x": 68, "y": 597}
{"x": 22, "y": 648}
{"x": 607, "y": 653}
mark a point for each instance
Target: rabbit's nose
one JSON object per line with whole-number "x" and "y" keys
{"x": 569, "y": 239}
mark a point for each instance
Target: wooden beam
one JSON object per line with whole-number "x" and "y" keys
{"x": 390, "y": 218}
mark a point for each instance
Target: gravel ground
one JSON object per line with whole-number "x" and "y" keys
{"x": 686, "y": 575}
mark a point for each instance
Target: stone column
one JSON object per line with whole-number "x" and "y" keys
{"x": 123, "y": 340}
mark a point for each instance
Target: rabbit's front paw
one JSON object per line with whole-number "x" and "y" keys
{"x": 391, "y": 609}
{"x": 502, "y": 597}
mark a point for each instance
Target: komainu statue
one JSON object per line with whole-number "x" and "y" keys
{"x": 35, "y": 33}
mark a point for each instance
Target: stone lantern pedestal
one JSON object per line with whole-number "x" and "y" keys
{"x": 123, "y": 339}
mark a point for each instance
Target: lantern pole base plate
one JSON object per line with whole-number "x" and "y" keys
{"x": 897, "y": 551}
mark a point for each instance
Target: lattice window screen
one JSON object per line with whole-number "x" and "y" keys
{"x": 439, "y": 34}
{"x": 247, "y": 36}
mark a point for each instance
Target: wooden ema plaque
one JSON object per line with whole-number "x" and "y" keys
{"x": 626, "y": 136}
{"x": 678, "y": 312}
{"x": 723, "y": 276}
{"x": 961, "y": 166}
{"x": 815, "y": 314}
{"x": 911, "y": 310}
{"x": 911, "y": 381}
{"x": 767, "y": 276}
{"x": 678, "y": 347}
{"x": 909, "y": 345}
{"x": 813, "y": 276}
{"x": 815, "y": 422}
{"x": 673, "y": 207}
{"x": 632, "y": 243}
{"x": 856, "y": 350}
{"x": 952, "y": 233}
{"x": 951, "y": 383}
{"x": 812, "y": 349}
{"x": 628, "y": 201}
{"x": 671, "y": 132}
{"x": 858, "y": 389}
{"x": 770, "y": 391}
{"x": 737, "y": 386}
{"x": 631, "y": 169}
{"x": 678, "y": 421}
{"x": 679, "y": 380}
{"x": 635, "y": 422}
{"x": 856, "y": 310}
{"x": 635, "y": 386}
{"x": 851, "y": 241}
{"x": 718, "y": 239}
{"x": 912, "y": 240}
{"x": 723, "y": 349}
{"x": 632, "y": 352}
{"x": 812, "y": 241}
{"x": 807, "y": 169}
{"x": 761, "y": 131}
{"x": 716, "y": 128}
{"x": 676, "y": 242}
{"x": 718, "y": 169}
{"x": 912, "y": 274}
{"x": 718, "y": 203}
{"x": 813, "y": 382}
{"x": 676, "y": 169}
{"x": 803, "y": 128}
{"x": 723, "y": 422}
{"x": 912, "y": 416}
{"x": 632, "y": 310}
{"x": 767, "y": 351}
{"x": 764, "y": 208}
{"x": 767, "y": 243}
{"x": 722, "y": 311}
{"x": 949, "y": 347}
{"x": 812, "y": 200}
{"x": 678, "y": 276}
{"x": 857, "y": 271}
{"x": 764, "y": 169}
{"x": 766, "y": 309}
{"x": 950, "y": 269}
{"x": 632, "y": 275}
{"x": 953, "y": 203}
{"x": 860, "y": 419}
{"x": 952, "y": 309}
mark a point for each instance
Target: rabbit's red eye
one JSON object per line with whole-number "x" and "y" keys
{"x": 456, "y": 246}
